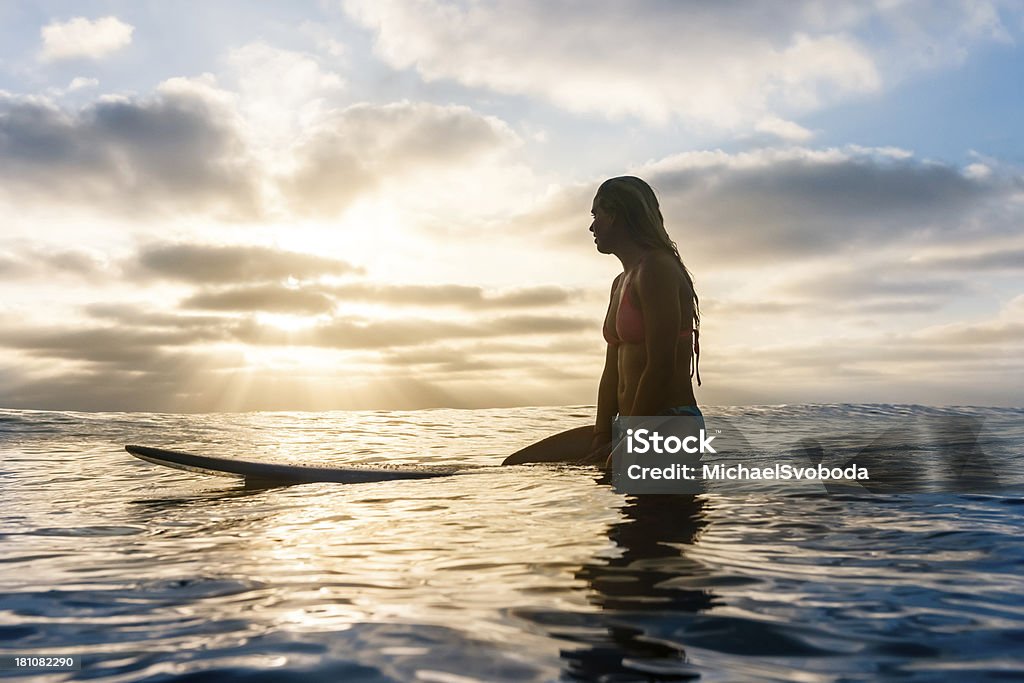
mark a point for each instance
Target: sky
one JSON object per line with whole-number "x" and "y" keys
{"x": 366, "y": 204}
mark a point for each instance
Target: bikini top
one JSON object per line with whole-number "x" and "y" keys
{"x": 629, "y": 327}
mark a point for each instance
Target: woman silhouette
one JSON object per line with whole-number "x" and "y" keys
{"x": 651, "y": 326}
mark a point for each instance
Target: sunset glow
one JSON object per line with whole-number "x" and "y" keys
{"x": 301, "y": 208}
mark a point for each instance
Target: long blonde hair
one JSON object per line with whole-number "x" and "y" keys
{"x": 633, "y": 201}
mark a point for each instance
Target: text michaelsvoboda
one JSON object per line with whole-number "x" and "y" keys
{"x": 743, "y": 472}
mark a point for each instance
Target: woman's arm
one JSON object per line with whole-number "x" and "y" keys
{"x": 657, "y": 288}
{"x": 607, "y": 408}
{"x": 608, "y": 389}
{"x": 607, "y": 396}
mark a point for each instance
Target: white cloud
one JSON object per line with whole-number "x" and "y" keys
{"x": 196, "y": 148}
{"x": 360, "y": 146}
{"x": 82, "y": 38}
{"x": 720, "y": 65}
{"x": 281, "y": 92}
{"x": 651, "y": 60}
{"x": 787, "y": 130}
{"x": 977, "y": 171}
{"x": 81, "y": 83}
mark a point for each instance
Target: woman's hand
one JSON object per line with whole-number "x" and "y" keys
{"x": 600, "y": 452}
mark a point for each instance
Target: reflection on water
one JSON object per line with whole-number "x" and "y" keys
{"x": 636, "y": 587}
{"x": 523, "y": 573}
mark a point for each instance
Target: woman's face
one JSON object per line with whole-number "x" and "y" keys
{"x": 604, "y": 229}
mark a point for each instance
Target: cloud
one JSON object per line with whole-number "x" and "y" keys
{"x": 134, "y": 317}
{"x": 719, "y": 65}
{"x": 466, "y": 296}
{"x": 871, "y": 282}
{"x": 713, "y": 64}
{"x": 204, "y": 264}
{"x": 1001, "y": 259}
{"x": 133, "y": 358}
{"x": 134, "y": 376}
{"x": 82, "y": 83}
{"x": 131, "y": 332}
{"x": 795, "y": 204}
{"x": 280, "y": 151}
{"x": 269, "y": 298}
{"x": 80, "y": 38}
{"x": 787, "y": 130}
{"x": 800, "y": 202}
{"x": 132, "y": 348}
{"x": 281, "y": 92}
{"x": 356, "y": 148}
{"x": 178, "y": 151}
{"x": 24, "y": 261}
{"x": 355, "y": 333}
{"x": 311, "y": 299}
{"x": 191, "y": 383}
{"x": 1005, "y": 329}
{"x": 958, "y": 364}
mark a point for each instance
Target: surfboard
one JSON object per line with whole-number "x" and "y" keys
{"x": 284, "y": 473}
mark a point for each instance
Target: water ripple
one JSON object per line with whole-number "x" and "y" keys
{"x": 517, "y": 574}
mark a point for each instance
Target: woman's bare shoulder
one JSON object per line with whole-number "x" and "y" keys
{"x": 658, "y": 266}
{"x": 661, "y": 272}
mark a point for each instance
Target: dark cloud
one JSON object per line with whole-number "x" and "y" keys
{"x": 487, "y": 356}
{"x": 12, "y": 267}
{"x": 729, "y": 307}
{"x": 140, "y": 337}
{"x": 896, "y": 306}
{"x": 517, "y": 354}
{"x": 953, "y": 365}
{"x": 204, "y": 264}
{"x": 533, "y": 296}
{"x": 155, "y": 362}
{"x": 134, "y": 317}
{"x": 538, "y": 324}
{"x": 996, "y": 260}
{"x": 425, "y": 356}
{"x": 316, "y": 298}
{"x": 889, "y": 290}
{"x": 465, "y": 296}
{"x": 468, "y": 365}
{"x": 41, "y": 261}
{"x": 208, "y": 384}
{"x": 179, "y": 151}
{"x": 983, "y": 334}
{"x": 409, "y": 294}
{"x": 103, "y": 388}
{"x": 827, "y": 308}
{"x": 270, "y": 298}
{"x": 133, "y": 348}
{"x": 870, "y": 282}
{"x": 183, "y": 151}
{"x": 735, "y": 210}
{"x": 799, "y": 207}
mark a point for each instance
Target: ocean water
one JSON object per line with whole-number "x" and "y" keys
{"x": 529, "y": 573}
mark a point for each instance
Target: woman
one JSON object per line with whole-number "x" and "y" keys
{"x": 651, "y": 325}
